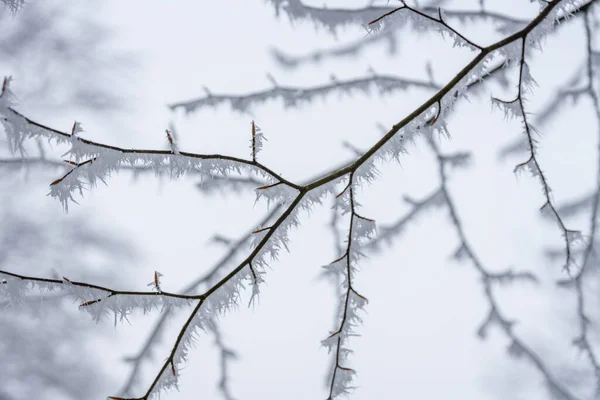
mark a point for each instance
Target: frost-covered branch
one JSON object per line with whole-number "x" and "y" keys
{"x": 582, "y": 341}
{"x": 436, "y": 107}
{"x": 98, "y": 160}
{"x": 96, "y": 300}
{"x": 559, "y": 97}
{"x": 438, "y": 20}
{"x": 300, "y": 11}
{"x": 225, "y": 294}
{"x": 388, "y": 233}
{"x": 335, "y": 18}
{"x": 14, "y": 5}
{"x": 516, "y": 109}
{"x": 216, "y": 183}
{"x": 389, "y": 36}
{"x": 293, "y": 96}
{"x": 93, "y": 161}
{"x": 517, "y": 348}
{"x": 353, "y": 49}
{"x": 208, "y": 184}
{"x": 207, "y": 279}
{"x": 352, "y": 303}
{"x": 226, "y": 354}
{"x": 20, "y": 162}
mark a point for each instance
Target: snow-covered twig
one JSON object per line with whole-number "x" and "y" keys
{"x": 516, "y": 109}
{"x": 206, "y": 279}
{"x": 541, "y": 117}
{"x": 294, "y": 96}
{"x": 352, "y": 303}
{"x": 20, "y": 162}
{"x": 226, "y": 354}
{"x": 96, "y": 300}
{"x": 582, "y": 341}
{"x": 422, "y": 20}
{"x": 388, "y": 36}
{"x": 387, "y": 233}
{"x": 335, "y": 18}
{"x": 94, "y": 161}
{"x": 352, "y": 49}
{"x": 518, "y": 347}
{"x": 225, "y": 293}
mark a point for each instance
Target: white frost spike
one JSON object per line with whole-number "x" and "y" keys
{"x": 338, "y": 266}
{"x": 343, "y": 201}
{"x": 511, "y": 109}
{"x": 531, "y": 165}
{"x": 343, "y": 379}
{"x": 12, "y": 290}
{"x": 169, "y": 377}
{"x": 121, "y": 306}
{"x": 277, "y": 241}
{"x": 367, "y": 172}
{"x": 258, "y": 236}
{"x": 256, "y": 280}
{"x": 278, "y": 193}
{"x": 527, "y": 81}
{"x": 574, "y": 237}
{"x": 316, "y": 196}
{"x": 511, "y": 52}
{"x": 363, "y": 229}
{"x": 395, "y": 147}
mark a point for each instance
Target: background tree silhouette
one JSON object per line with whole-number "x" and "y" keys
{"x": 40, "y": 40}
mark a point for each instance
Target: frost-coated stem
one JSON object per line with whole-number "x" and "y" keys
{"x": 206, "y": 295}
{"x": 517, "y": 347}
{"x": 293, "y": 95}
{"x": 98, "y": 145}
{"x": 534, "y": 164}
{"x": 582, "y": 341}
{"x": 214, "y": 300}
{"x": 438, "y": 20}
{"x": 334, "y": 18}
{"x": 568, "y": 91}
{"x": 434, "y": 99}
{"x": 225, "y": 354}
{"x": 352, "y": 302}
{"x": 386, "y": 233}
{"x": 110, "y": 292}
{"x": 207, "y": 278}
{"x": 338, "y": 367}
